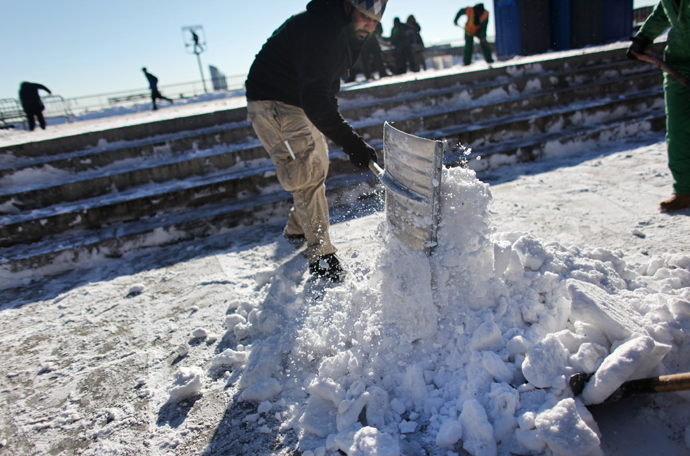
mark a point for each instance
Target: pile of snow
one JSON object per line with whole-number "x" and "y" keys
{"x": 470, "y": 349}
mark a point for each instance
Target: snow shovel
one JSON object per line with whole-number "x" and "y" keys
{"x": 652, "y": 58}
{"x": 413, "y": 186}
{"x": 664, "y": 383}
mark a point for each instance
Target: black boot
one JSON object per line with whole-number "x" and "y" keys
{"x": 329, "y": 267}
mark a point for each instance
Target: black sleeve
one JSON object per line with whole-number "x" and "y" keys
{"x": 457, "y": 16}
{"x": 41, "y": 86}
{"x": 318, "y": 61}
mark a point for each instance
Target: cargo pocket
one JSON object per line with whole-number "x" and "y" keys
{"x": 295, "y": 174}
{"x": 265, "y": 124}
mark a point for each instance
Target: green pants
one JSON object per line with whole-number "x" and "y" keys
{"x": 677, "y": 99}
{"x": 469, "y": 50}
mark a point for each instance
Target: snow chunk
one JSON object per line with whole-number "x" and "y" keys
{"x": 349, "y": 410}
{"x": 319, "y": 417}
{"x": 136, "y": 290}
{"x": 502, "y": 252}
{"x": 407, "y": 427}
{"x": 544, "y": 364}
{"x": 369, "y": 441}
{"x": 478, "y": 432}
{"x": 262, "y": 391}
{"x": 186, "y": 383}
{"x": 593, "y": 305}
{"x": 618, "y": 367}
{"x": 377, "y": 407}
{"x": 233, "y": 320}
{"x": 564, "y": 431}
{"x": 199, "y": 333}
{"x": 228, "y": 357}
{"x": 588, "y": 357}
{"x": 264, "y": 407}
{"x": 487, "y": 337}
{"x": 182, "y": 350}
{"x": 518, "y": 345}
{"x": 449, "y": 434}
{"x": 496, "y": 367}
{"x": 532, "y": 254}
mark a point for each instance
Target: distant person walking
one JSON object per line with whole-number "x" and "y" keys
{"x": 477, "y": 22}
{"x": 32, "y": 104}
{"x": 153, "y": 85}
{"x": 677, "y": 97}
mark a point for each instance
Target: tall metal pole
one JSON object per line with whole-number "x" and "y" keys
{"x": 197, "y": 44}
{"x": 198, "y": 58}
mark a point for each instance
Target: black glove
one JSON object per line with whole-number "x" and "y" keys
{"x": 640, "y": 44}
{"x": 360, "y": 153}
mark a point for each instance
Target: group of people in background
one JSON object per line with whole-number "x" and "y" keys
{"x": 408, "y": 46}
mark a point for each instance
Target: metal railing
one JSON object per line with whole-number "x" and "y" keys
{"x": 174, "y": 91}
{"x": 12, "y": 114}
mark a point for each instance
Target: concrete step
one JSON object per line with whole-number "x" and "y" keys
{"x": 164, "y": 164}
{"x": 231, "y": 185}
{"x": 382, "y": 90}
{"x": 167, "y": 228}
{"x": 344, "y": 192}
{"x": 106, "y": 154}
{"x": 213, "y": 176}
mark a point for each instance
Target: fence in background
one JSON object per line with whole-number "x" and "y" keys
{"x": 12, "y": 115}
{"x": 174, "y": 91}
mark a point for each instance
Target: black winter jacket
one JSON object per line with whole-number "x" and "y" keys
{"x": 28, "y": 95}
{"x": 301, "y": 65}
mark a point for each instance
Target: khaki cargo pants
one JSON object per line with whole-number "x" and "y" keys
{"x": 277, "y": 125}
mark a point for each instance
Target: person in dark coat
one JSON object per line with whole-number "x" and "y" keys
{"x": 417, "y": 42}
{"x": 292, "y": 105}
{"x": 32, "y": 104}
{"x": 153, "y": 85}
{"x": 401, "y": 39}
{"x": 371, "y": 58}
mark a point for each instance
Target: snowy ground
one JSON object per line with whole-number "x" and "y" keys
{"x": 226, "y": 346}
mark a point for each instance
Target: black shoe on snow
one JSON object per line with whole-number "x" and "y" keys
{"x": 296, "y": 239}
{"x": 329, "y": 267}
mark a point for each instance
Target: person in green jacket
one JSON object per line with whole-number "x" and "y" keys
{"x": 676, "y": 14}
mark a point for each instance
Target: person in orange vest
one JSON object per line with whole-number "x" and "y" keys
{"x": 477, "y": 21}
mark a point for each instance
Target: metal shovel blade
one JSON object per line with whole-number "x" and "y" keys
{"x": 413, "y": 187}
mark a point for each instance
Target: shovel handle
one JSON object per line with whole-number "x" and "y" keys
{"x": 664, "y": 383}
{"x": 680, "y": 77}
{"x": 375, "y": 168}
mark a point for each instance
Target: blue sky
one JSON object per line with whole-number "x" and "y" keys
{"x": 86, "y": 47}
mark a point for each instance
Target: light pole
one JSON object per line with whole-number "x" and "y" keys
{"x": 195, "y": 40}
